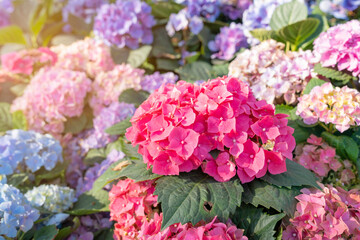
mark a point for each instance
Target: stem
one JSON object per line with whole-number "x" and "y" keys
{"x": 324, "y": 126}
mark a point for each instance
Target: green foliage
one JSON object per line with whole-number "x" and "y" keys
{"x": 195, "y": 196}
{"x": 219, "y": 70}
{"x": 313, "y": 83}
{"x": 5, "y": 117}
{"x": 333, "y": 74}
{"x": 46, "y": 233}
{"x": 77, "y": 124}
{"x": 119, "y": 128}
{"x": 134, "y": 97}
{"x": 79, "y": 25}
{"x": 19, "y": 120}
{"x": 17, "y": 179}
{"x": 164, "y": 9}
{"x": 63, "y": 233}
{"x": 288, "y": 13}
{"x": 257, "y": 224}
{"x": 91, "y": 202}
{"x": 138, "y": 56}
{"x": 301, "y": 134}
{"x": 12, "y": 34}
{"x": 195, "y": 71}
{"x": 262, "y": 34}
{"x": 95, "y": 155}
{"x": 136, "y": 170}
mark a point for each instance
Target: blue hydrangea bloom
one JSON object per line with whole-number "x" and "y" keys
{"x": 3, "y": 179}
{"x": 334, "y": 8}
{"x": 125, "y": 23}
{"x": 228, "y": 42}
{"x": 15, "y": 211}
{"x": 152, "y": 82}
{"x": 351, "y": 5}
{"x": 209, "y": 9}
{"x": 28, "y": 149}
{"x": 53, "y": 198}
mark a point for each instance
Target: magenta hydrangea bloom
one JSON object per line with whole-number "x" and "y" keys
{"x": 178, "y": 126}
{"x": 339, "y": 47}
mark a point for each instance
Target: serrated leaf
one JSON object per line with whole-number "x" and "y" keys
{"x": 119, "y": 128}
{"x": 19, "y": 120}
{"x": 5, "y": 117}
{"x": 91, "y": 202}
{"x": 46, "y": 233}
{"x": 313, "y": 83}
{"x": 333, "y": 74}
{"x": 134, "y": 97}
{"x": 288, "y": 13}
{"x": 137, "y": 171}
{"x": 12, "y": 34}
{"x": 129, "y": 150}
{"x": 195, "y": 71}
{"x": 295, "y": 175}
{"x": 257, "y": 225}
{"x": 138, "y": 56}
{"x": 259, "y": 192}
{"x": 195, "y": 196}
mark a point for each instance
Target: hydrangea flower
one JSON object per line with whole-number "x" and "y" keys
{"x": 339, "y": 47}
{"x": 208, "y": 9}
{"x": 109, "y": 85}
{"x": 272, "y": 74}
{"x": 28, "y": 61}
{"x": 6, "y": 7}
{"x": 334, "y": 8}
{"x": 351, "y": 5}
{"x": 331, "y": 105}
{"x": 178, "y": 125}
{"x": 28, "y": 149}
{"x": 53, "y": 96}
{"x": 125, "y": 23}
{"x": 53, "y": 198}
{"x": 234, "y": 8}
{"x": 328, "y": 214}
{"x": 88, "y": 55}
{"x": 182, "y": 20}
{"x": 152, "y": 82}
{"x": 228, "y": 42}
{"x": 15, "y": 212}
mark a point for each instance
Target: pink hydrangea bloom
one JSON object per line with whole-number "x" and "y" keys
{"x": 178, "y": 126}
{"x": 332, "y": 213}
{"x": 272, "y": 74}
{"x": 28, "y": 61}
{"x": 53, "y": 96}
{"x": 339, "y": 47}
{"x": 88, "y": 55}
{"x": 331, "y": 105}
{"x": 108, "y": 86}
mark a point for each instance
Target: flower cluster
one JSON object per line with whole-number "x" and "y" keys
{"x": 228, "y": 42}
{"x": 88, "y": 55}
{"x": 319, "y": 157}
{"x": 53, "y": 198}
{"x": 178, "y": 126}
{"x": 20, "y": 149}
{"x": 28, "y": 61}
{"x": 334, "y": 8}
{"x": 234, "y": 8}
{"x": 272, "y": 74}
{"x": 53, "y": 96}
{"x": 109, "y": 85}
{"x": 331, "y": 105}
{"x": 15, "y": 212}
{"x": 6, "y": 8}
{"x": 339, "y": 46}
{"x": 182, "y": 20}
{"x": 328, "y": 214}
{"x": 152, "y": 82}
{"x": 125, "y": 23}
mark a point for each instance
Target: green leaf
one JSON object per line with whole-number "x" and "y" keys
{"x": 38, "y": 24}
{"x": 284, "y": 109}
{"x": 346, "y": 147}
{"x": 5, "y": 117}
{"x": 162, "y": 45}
{"x": 313, "y": 83}
{"x": 136, "y": 170}
{"x": 262, "y": 34}
{"x": 138, "y": 56}
{"x": 129, "y": 150}
{"x": 257, "y": 225}
{"x": 119, "y": 55}
{"x": 133, "y": 96}
{"x": 259, "y": 192}
{"x": 195, "y": 71}
{"x": 288, "y": 13}
{"x": 12, "y": 34}
{"x": 195, "y": 196}
{"x": 17, "y": 179}
{"x": 298, "y": 32}
{"x": 77, "y": 124}
{"x": 164, "y": 9}
{"x": 323, "y": 26}
{"x": 19, "y": 120}
{"x": 91, "y": 202}
{"x": 23, "y": 13}
{"x": 296, "y": 175}
{"x": 167, "y": 64}
{"x": 333, "y": 74}
{"x": 18, "y": 89}
{"x": 94, "y": 155}
{"x": 46, "y": 233}
{"x": 58, "y": 171}
{"x": 65, "y": 39}
{"x": 301, "y": 134}
{"x": 119, "y": 128}
{"x": 219, "y": 70}
{"x": 78, "y": 24}
{"x": 63, "y": 233}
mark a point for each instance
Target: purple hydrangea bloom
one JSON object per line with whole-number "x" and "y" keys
{"x": 4, "y": 19}
{"x": 234, "y": 8}
{"x": 125, "y": 23}
{"x": 228, "y": 42}
{"x": 6, "y": 7}
{"x": 177, "y": 21}
{"x": 152, "y": 82}
{"x": 351, "y": 5}
{"x": 208, "y": 9}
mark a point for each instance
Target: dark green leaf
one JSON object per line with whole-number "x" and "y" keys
{"x": 195, "y": 71}
{"x": 313, "y": 83}
{"x": 333, "y": 74}
{"x": 259, "y": 192}
{"x": 91, "y": 202}
{"x": 5, "y": 117}
{"x": 63, "y": 233}
{"x": 288, "y": 13}
{"x": 164, "y": 9}
{"x": 95, "y": 155}
{"x": 162, "y": 45}
{"x": 195, "y": 196}
{"x": 301, "y": 134}
{"x": 133, "y": 96}
{"x": 137, "y": 170}
{"x": 284, "y": 109}
{"x": 107, "y": 234}
{"x": 167, "y": 64}
{"x": 12, "y": 34}
{"x": 46, "y": 233}
{"x": 296, "y": 175}
{"x": 119, "y": 55}
{"x": 19, "y": 120}
{"x": 219, "y": 70}
{"x": 323, "y": 26}
{"x": 138, "y": 56}
{"x": 129, "y": 150}
{"x": 119, "y": 128}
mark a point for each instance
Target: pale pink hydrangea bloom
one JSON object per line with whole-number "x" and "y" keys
{"x": 332, "y": 213}
{"x": 88, "y": 55}
{"x": 53, "y": 96}
{"x": 108, "y": 86}
{"x": 178, "y": 126}
{"x": 339, "y": 47}
{"x": 272, "y": 74}
{"x": 331, "y": 105}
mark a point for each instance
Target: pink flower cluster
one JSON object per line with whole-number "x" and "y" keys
{"x": 28, "y": 61}
{"x": 132, "y": 207}
{"x": 52, "y": 96}
{"x": 178, "y": 126}
{"x": 319, "y": 157}
{"x": 329, "y": 214}
{"x": 272, "y": 74}
{"x": 339, "y": 46}
{"x": 109, "y": 85}
{"x": 88, "y": 55}
{"x": 329, "y": 104}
